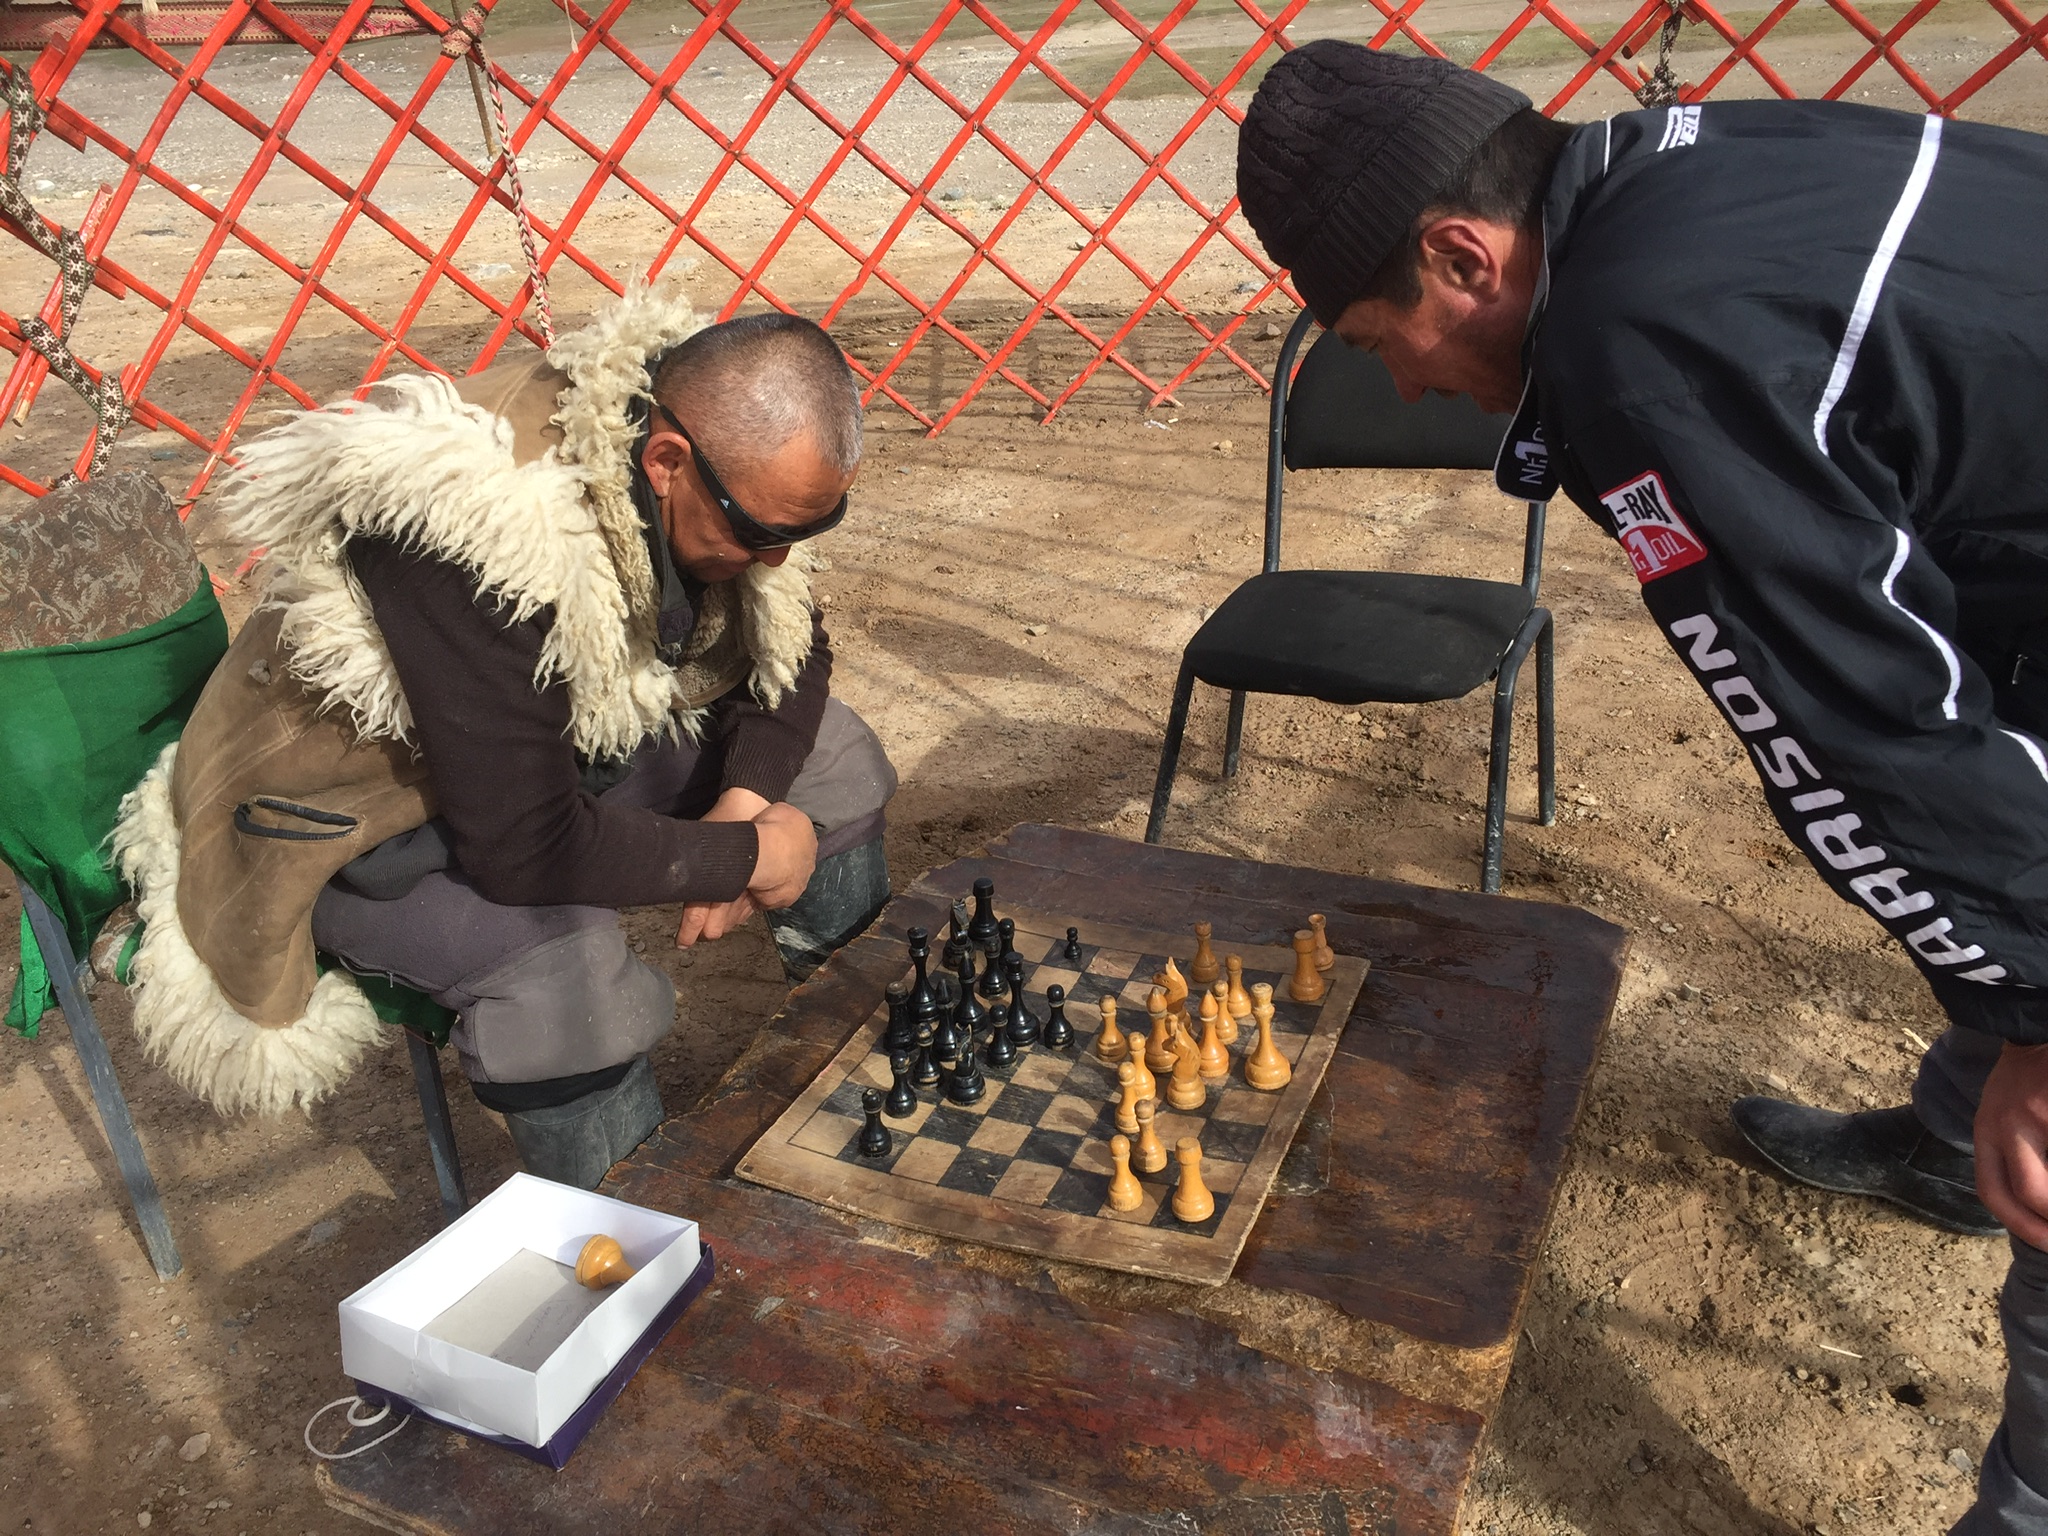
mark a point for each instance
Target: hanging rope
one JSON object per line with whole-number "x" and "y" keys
{"x": 466, "y": 38}
{"x": 1661, "y": 89}
{"x": 77, "y": 270}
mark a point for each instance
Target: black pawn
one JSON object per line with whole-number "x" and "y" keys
{"x": 924, "y": 1066}
{"x": 946, "y": 1038}
{"x": 902, "y": 1098}
{"x": 1059, "y": 1034}
{"x": 991, "y": 984}
{"x": 981, "y": 931}
{"x": 875, "y": 1140}
{"x": 1022, "y": 1025}
{"x": 1073, "y": 949}
{"x": 1000, "y": 1053}
{"x": 968, "y": 1015}
{"x": 956, "y": 939}
{"x": 901, "y": 1035}
{"x": 966, "y": 1085}
{"x": 924, "y": 1004}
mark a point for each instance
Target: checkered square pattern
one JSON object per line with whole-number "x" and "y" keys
{"x": 1039, "y": 1135}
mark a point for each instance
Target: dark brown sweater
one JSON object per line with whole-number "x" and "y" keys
{"x": 507, "y": 781}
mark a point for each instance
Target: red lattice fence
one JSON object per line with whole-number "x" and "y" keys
{"x": 927, "y": 170}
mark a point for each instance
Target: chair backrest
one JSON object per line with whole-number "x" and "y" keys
{"x": 1342, "y": 411}
{"x": 92, "y": 560}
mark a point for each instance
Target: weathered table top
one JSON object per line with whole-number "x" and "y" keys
{"x": 843, "y": 1375}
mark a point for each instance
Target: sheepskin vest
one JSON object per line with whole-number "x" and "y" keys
{"x": 298, "y": 757}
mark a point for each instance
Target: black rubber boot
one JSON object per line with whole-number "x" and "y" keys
{"x": 1881, "y": 1152}
{"x": 846, "y": 893}
{"x": 577, "y": 1142}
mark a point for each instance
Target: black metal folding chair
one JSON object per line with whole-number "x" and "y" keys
{"x": 1359, "y": 637}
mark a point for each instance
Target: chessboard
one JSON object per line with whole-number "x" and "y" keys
{"x": 1028, "y": 1165}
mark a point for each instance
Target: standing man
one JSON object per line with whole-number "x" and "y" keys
{"x": 536, "y": 646}
{"x": 1793, "y": 357}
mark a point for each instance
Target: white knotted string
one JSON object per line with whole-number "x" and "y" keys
{"x": 378, "y": 1417}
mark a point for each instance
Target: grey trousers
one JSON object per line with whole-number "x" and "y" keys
{"x": 2012, "y": 1485}
{"x": 545, "y": 993}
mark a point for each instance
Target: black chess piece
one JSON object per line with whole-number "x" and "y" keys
{"x": 991, "y": 984}
{"x": 875, "y": 1140}
{"x": 924, "y": 1003}
{"x": 966, "y": 1085}
{"x": 968, "y": 1014}
{"x": 924, "y": 1066}
{"x": 1022, "y": 1024}
{"x": 1006, "y": 945}
{"x": 901, "y": 1035}
{"x": 956, "y": 939}
{"x": 1058, "y": 1034}
{"x": 902, "y": 1098}
{"x": 999, "y": 1053}
{"x": 945, "y": 991}
{"x": 946, "y": 1038}
{"x": 1073, "y": 947}
{"x": 981, "y": 932}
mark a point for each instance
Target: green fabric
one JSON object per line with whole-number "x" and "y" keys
{"x": 79, "y": 726}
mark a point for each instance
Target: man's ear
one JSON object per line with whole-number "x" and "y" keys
{"x": 1464, "y": 259}
{"x": 662, "y": 458}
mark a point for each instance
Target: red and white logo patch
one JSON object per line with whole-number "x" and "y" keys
{"x": 1650, "y": 529}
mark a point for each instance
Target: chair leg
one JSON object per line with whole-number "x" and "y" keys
{"x": 426, "y": 1076}
{"x": 1169, "y": 754}
{"x": 1546, "y": 723}
{"x": 1535, "y": 631}
{"x": 91, "y": 1046}
{"x": 1233, "y": 734}
{"x": 1497, "y": 779}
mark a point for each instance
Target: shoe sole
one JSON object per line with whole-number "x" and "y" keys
{"x": 1920, "y": 1214}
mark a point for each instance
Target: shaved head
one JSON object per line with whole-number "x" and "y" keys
{"x": 750, "y": 387}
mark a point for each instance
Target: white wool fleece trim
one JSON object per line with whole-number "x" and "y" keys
{"x": 423, "y": 468}
{"x": 186, "y": 1023}
{"x": 606, "y": 362}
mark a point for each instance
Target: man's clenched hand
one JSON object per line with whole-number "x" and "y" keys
{"x": 782, "y": 868}
{"x": 789, "y": 853}
{"x": 2012, "y": 1142}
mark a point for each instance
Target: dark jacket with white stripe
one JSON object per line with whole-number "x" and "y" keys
{"x": 1794, "y": 357}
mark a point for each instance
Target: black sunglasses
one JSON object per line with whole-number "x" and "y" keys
{"x": 747, "y": 532}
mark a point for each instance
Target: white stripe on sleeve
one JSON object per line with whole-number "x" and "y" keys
{"x": 1873, "y": 277}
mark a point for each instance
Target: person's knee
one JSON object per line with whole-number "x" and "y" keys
{"x": 847, "y": 892}
{"x": 577, "y": 1004}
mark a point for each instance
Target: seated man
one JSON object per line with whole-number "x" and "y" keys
{"x": 526, "y": 658}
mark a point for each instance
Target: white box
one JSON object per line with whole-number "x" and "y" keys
{"x": 389, "y": 1338}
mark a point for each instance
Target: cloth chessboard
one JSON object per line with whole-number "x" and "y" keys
{"x": 1028, "y": 1167}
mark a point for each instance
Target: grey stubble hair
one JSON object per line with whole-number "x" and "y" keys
{"x": 748, "y": 387}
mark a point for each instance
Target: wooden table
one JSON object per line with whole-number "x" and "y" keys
{"x": 844, "y": 1375}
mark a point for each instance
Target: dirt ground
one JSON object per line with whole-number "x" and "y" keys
{"x": 1706, "y": 1351}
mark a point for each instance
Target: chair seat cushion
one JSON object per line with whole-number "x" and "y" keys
{"x": 1354, "y": 637}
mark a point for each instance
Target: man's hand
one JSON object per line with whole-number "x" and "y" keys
{"x": 789, "y": 853}
{"x": 782, "y": 868}
{"x": 2012, "y": 1142}
{"x": 713, "y": 919}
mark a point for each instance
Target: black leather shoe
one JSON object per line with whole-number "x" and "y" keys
{"x": 1881, "y": 1152}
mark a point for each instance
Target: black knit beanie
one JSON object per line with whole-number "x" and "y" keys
{"x": 1344, "y": 147}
